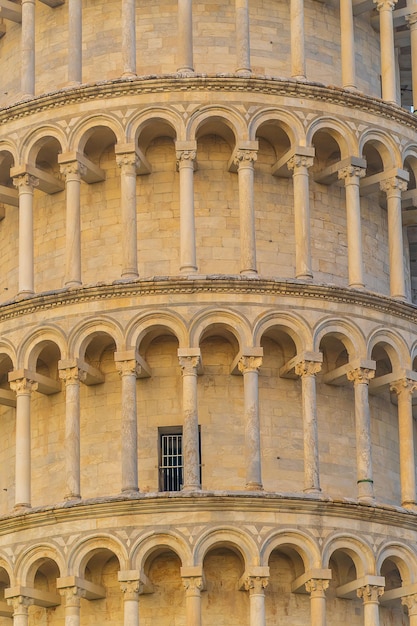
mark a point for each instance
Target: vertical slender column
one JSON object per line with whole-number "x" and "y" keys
{"x": 73, "y": 172}
{"x": 307, "y": 370}
{"x": 249, "y": 367}
{"x": 28, "y": 47}
{"x": 404, "y": 389}
{"x": 298, "y": 62}
{"x": 351, "y": 175}
{"x": 185, "y": 164}
{"x": 189, "y": 362}
{"x": 360, "y": 378}
{"x": 370, "y": 595}
{"x": 185, "y": 36}
{"x": 20, "y": 606}
{"x": 75, "y": 25}
{"x": 72, "y": 375}
{"x": 131, "y": 590}
{"x": 300, "y": 164}
{"x": 72, "y": 597}
{"x": 347, "y": 45}
{"x": 193, "y": 586}
{"x": 25, "y": 185}
{"x": 242, "y": 37}
{"x": 128, "y": 164}
{"x": 388, "y": 79}
{"x": 23, "y": 388}
{"x": 129, "y": 38}
{"x": 411, "y": 603}
{"x": 244, "y": 160}
{"x": 256, "y": 587}
{"x": 393, "y": 188}
{"x": 316, "y": 588}
{"x": 412, "y": 23}
{"x": 129, "y": 371}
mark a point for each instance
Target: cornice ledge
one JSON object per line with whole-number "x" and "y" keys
{"x": 200, "y": 82}
{"x": 158, "y": 503}
{"x": 208, "y": 284}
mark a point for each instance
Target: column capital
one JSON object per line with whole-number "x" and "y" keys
{"x": 411, "y": 603}
{"x": 370, "y": 593}
{"x": 256, "y": 584}
{"x": 317, "y": 586}
{"x": 360, "y": 375}
{"x": 245, "y": 157}
{"x": 350, "y": 172}
{"x": 193, "y": 584}
{"x": 131, "y": 589}
{"x": 20, "y": 604}
{"x": 249, "y": 364}
{"x": 189, "y": 364}
{"x": 72, "y": 375}
{"x": 307, "y": 368}
{"x": 385, "y": 5}
{"x": 72, "y": 595}
{"x": 128, "y": 159}
{"x": 23, "y": 386}
{"x": 393, "y": 185}
{"x": 404, "y": 386}
{"x": 25, "y": 180}
{"x": 129, "y": 367}
{"x": 300, "y": 160}
{"x": 73, "y": 169}
{"x": 411, "y": 20}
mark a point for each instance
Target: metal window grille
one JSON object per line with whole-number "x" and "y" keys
{"x": 171, "y": 467}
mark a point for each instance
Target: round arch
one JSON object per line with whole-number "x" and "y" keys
{"x": 231, "y": 538}
{"x": 154, "y": 543}
{"x": 89, "y": 546}
{"x": 299, "y": 541}
{"x": 292, "y": 325}
{"x": 221, "y": 115}
{"x": 359, "y": 551}
{"x": 82, "y": 334}
{"x": 236, "y": 324}
{"x": 157, "y": 322}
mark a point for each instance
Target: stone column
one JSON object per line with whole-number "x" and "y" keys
{"x": 412, "y": 22}
{"x": 72, "y": 597}
{"x": 298, "y": 62}
{"x": 129, "y": 38}
{"x": 193, "y": 586}
{"x": 316, "y": 587}
{"x": 242, "y": 38}
{"x": 256, "y": 587}
{"x": 129, "y": 371}
{"x": 20, "y": 606}
{"x": 347, "y": 45}
{"x": 393, "y": 188}
{"x": 189, "y": 364}
{"x": 73, "y": 172}
{"x": 75, "y": 25}
{"x": 23, "y": 388}
{"x": 131, "y": 590}
{"x": 244, "y": 161}
{"x": 307, "y": 370}
{"x": 360, "y": 378}
{"x": 404, "y": 389}
{"x": 411, "y": 603}
{"x": 185, "y": 164}
{"x": 370, "y": 595}
{"x": 28, "y": 47}
{"x": 352, "y": 175}
{"x": 25, "y": 185}
{"x": 249, "y": 367}
{"x": 300, "y": 164}
{"x": 128, "y": 164}
{"x": 185, "y": 37}
{"x": 388, "y": 61}
{"x": 72, "y": 376}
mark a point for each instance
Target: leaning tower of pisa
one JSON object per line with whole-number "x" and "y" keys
{"x": 208, "y": 323}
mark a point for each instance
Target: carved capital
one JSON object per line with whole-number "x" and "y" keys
{"x": 299, "y": 160}
{"x": 130, "y": 159}
{"x": 186, "y": 155}
{"x": 72, "y": 595}
{"x": 25, "y": 180}
{"x": 370, "y": 593}
{"x": 350, "y": 172}
{"x": 385, "y": 5}
{"x": 128, "y": 368}
{"x": 20, "y": 604}
{"x": 411, "y": 603}
{"x": 73, "y": 169}
{"x": 189, "y": 365}
{"x": 131, "y": 589}
{"x": 317, "y": 586}
{"x": 245, "y": 157}
{"x": 411, "y": 20}
{"x": 307, "y": 368}
{"x": 249, "y": 364}
{"x": 193, "y": 584}
{"x": 256, "y": 584}
{"x": 23, "y": 386}
{"x": 394, "y": 184}
{"x": 404, "y": 386}
{"x": 360, "y": 375}
{"x": 72, "y": 375}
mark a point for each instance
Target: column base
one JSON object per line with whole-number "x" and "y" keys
{"x": 410, "y": 504}
{"x": 191, "y": 488}
{"x": 25, "y": 293}
{"x": 304, "y": 276}
{"x": 399, "y": 297}
{"x": 21, "y": 507}
{"x": 357, "y": 286}
{"x": 188, "y": 269}
{"x": 72, "y": 497}
{"x": 244, "y": 72}
{"x": 254, "y": 487}
{"x": 129, "y": 75}
{"x": 186, "y": 71}
{"x": 130, "y": 275}
{"x": 248, "y": 273}
{"x": 73, "y": 283}
{"x": 299, "y": 78}
{"x": 312, "y": 490}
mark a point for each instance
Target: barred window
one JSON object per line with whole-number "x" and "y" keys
{"x": 171, "y": 464}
